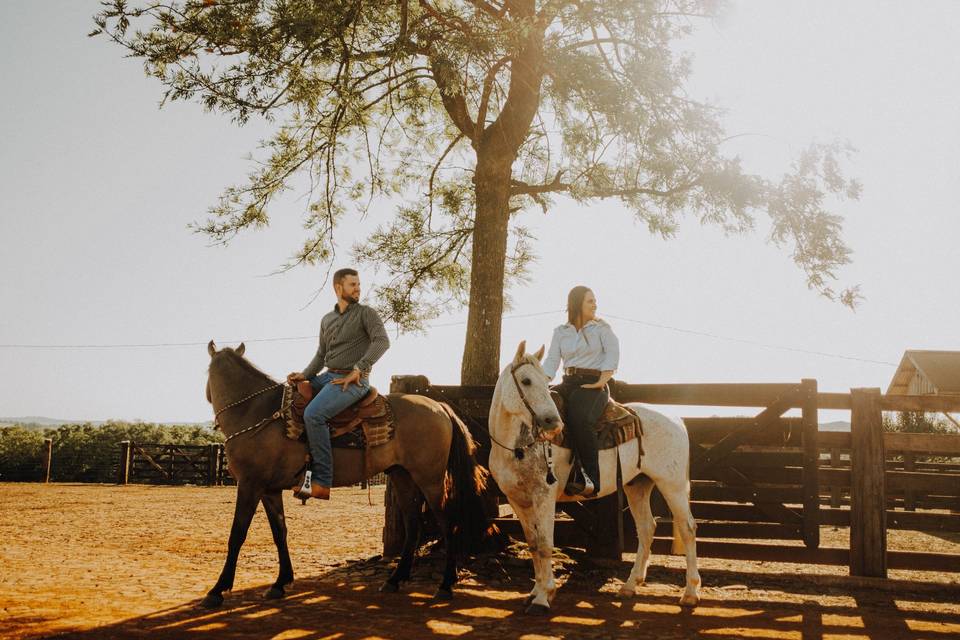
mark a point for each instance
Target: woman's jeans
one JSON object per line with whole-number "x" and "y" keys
{"x": 328, "y": 400}
{"x": 583, "y": 408}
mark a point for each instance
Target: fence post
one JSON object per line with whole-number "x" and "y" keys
{"x": 836, "y": 491}
{"x": 909, "y": 495}
{"x": 213, "y": 464}
{"x": 47, "y": 458}
{"x": 811, "y": 464}
{"x": 868, "y": 501}
{"x": 123, "y": 469}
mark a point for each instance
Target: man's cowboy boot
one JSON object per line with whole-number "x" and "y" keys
{"x": 310, "y": 489}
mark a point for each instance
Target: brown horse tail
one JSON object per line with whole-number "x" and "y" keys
{"x": 464, "y": 485}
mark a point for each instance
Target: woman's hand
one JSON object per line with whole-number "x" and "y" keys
{"x": 601, "y": 383}
{"x": 295, "y": 377}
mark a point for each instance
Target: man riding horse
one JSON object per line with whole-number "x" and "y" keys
{"x": 352, "y": 339}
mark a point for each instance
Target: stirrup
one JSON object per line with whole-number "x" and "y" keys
{"x": 589, "y": 489}
{"x": 305, "y": 489}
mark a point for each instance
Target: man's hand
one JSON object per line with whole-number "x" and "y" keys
{"x": 295, "y": 377}
{"x": 352, "y": 378}
{"x": 599, "y": 384}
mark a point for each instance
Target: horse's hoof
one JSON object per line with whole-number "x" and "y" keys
{"x": 212, "y": 601}
{"x": 528, "y": 599}
{"x": 537, "y": 610}
{"x": 689, "y": 600}
{"x": 274, "y": 593}
{"x": 626, "y": 593}
{"x": 389, "y": 587}
{"x": 443, "y": 594}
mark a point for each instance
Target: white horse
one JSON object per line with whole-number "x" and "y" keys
{"x": 523, "y": 420}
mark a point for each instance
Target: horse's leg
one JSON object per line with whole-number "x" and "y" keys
{"x": 434, "y": 496}
{"x": 638, "y": 497}
{"x": 537, "y": 521}
{"x": 273, "y": 505}
{"x": 410, "y": 501}
{"x": 247, "y": 499}
{"x": 677, "y": 496}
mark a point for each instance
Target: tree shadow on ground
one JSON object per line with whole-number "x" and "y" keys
{"x": 344, "y": 603}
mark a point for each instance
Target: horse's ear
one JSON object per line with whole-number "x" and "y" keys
{"x": 521, "y": 351}
{"x": 240, "y": 349}
{"x": 539, "y": 354}
{"x": 211, "y": 348}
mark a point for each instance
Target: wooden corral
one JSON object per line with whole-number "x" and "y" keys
{"x": 770, "y": 477}
{"x": 172, "y": 464}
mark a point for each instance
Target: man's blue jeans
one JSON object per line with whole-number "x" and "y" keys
{"x": 328, "y": 400}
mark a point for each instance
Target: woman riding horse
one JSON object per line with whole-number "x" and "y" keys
{"x": 590, "y": 353}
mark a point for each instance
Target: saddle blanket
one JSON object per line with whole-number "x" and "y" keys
{"x": 362, "y": 426}
{"x": 618, "y": 424}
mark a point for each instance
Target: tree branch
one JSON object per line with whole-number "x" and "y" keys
{"x": 453, "y": 100}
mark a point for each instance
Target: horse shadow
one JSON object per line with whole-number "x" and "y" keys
{"x": 344, "y": 603}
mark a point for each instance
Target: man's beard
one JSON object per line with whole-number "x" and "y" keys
{"x": 350, "y": 299}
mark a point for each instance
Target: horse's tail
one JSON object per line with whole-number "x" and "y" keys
{"x": 464, "y": 485}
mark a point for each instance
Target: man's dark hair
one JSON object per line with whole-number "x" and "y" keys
{"x": 340, "y": 274}
{"x": 575, "y": 302}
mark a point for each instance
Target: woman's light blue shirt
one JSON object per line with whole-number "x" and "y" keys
{"x": 594, "y": 347}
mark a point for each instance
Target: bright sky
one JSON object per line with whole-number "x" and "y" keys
{"x": 98, "y": 186}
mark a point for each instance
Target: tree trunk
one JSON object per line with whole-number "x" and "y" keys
{"x": 481, "y": 354}
{"x": 497, "y": 147}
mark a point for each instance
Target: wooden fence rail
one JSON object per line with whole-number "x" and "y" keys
{"x": 172, "y": 464}
{"x": 774, "y": 477}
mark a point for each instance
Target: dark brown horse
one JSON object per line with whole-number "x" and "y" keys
{"x": 430, "y": 458}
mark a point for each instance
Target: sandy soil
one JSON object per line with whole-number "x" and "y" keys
{"x": 101, "y": 561}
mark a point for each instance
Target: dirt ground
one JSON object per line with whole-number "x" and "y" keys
{"x": 100, "y": 561}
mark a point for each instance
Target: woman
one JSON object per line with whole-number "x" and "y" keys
{"x": 590, "y": 353}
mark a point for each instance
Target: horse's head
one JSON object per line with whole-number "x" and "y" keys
{"x": 217, "y": 357}
{"x": 523, "y": 390}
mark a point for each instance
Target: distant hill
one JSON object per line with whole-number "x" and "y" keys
{"x": 37, "y": 422}
{"x": 41, "y": 422}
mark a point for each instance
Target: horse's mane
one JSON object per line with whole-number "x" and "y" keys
{"x": 245, "y": 364}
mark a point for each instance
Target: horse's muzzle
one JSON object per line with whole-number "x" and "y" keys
{"x": 550, "y": 426}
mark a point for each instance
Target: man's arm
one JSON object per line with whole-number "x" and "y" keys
{"x": 379, "y": 340}
{"x": 317, "y": 363}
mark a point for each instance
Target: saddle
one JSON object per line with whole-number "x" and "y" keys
{"x": 618, "y": 424}
{"x": 367, "y": 423}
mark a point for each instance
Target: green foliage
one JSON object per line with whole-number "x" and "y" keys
{"x": 398, "y": 101}
{"x": 915, "y": 422}
{"x": 86, "y": 452}
{"x": 20, "y": 450}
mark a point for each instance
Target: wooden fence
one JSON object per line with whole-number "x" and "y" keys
{"x": 772, "y": 478}
{"x": 149, "y": 463}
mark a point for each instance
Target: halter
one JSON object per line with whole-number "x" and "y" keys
{"x": 276, "y": 415}
{"x": 536, "y": 432}
{"x": 526, "y": 403}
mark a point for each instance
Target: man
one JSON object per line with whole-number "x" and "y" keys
{"x": 352, "y": 339}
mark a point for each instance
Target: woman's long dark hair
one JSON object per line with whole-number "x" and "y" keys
{"x": 575, "y": 302}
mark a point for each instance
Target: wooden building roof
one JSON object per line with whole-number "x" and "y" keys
{"x": 939, "y": 369}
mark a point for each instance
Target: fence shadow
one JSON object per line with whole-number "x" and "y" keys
{"x": 344, "y": 603}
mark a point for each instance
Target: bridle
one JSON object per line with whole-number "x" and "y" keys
{"x": 536, "y": 432}
{"x": 274, "y": 416}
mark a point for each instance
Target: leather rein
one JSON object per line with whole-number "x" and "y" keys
{"x": 276, "y": 415}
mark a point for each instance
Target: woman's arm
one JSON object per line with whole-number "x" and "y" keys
{"x": 552, "y": 363}
{"x": 611, "y": 357}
